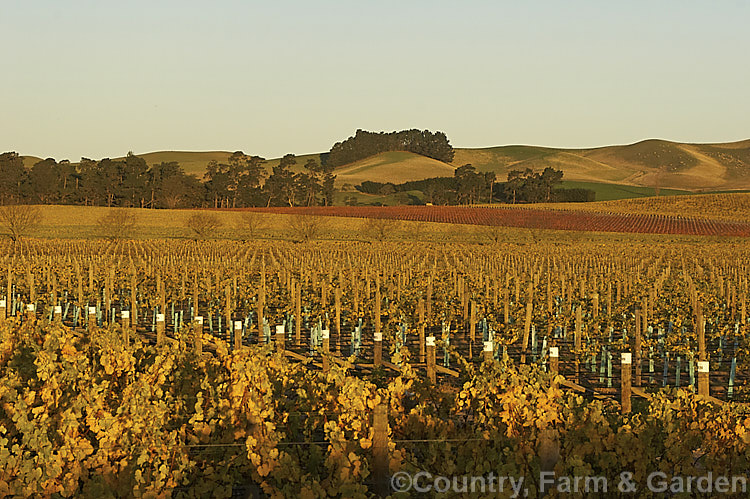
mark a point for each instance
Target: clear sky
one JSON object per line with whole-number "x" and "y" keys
{"x": 100, "y": 78}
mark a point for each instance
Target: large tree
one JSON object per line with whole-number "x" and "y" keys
{"x": 12, "y": 176}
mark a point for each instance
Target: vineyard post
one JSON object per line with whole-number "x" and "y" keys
{"x": 577, "y": 342}
{"x": 325, "y": 335}
{"x": 526, "y": 331}
{"x": 9, "y": 295}
{"x": 259, "y": 313}
{"x": 595, "y": 304}
{"x": 703, "y": 364}
{"x": 429, "y": 298}
{"x": 198, "y": 334}
{"x": 279, "y": 336}
{"x": 337, "y": 298}
{"x": 57, "y": 314}
{"x": 637, "y": 347}
{"x": 298, "y": 313}
{"x": 125, "y": 318}
{"x": 91, "y": 317}
{"x": 378, "y": 348}
{"x": 488, "y": 350}
{"x": 506, "y": 308}
{"x": 625, "y": 379}
{"x": 420, "y": 312}
{"x": 380, "y": 450}
{"x": 228, "y": 311}
{"x": 554, "y": 359}
{"x": 472, "y": 321}
{"x": 237, "y": 335}
{"x": 430, "y": 343}
{"x": 31, "y": 312}
{"x": 3, "y": 310}
{"x": 159, "y": 329}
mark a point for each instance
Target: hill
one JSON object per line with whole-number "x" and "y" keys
{"x": 649, "y": 163}
{"x": 396, "y": 167}
{"x": 635, "y": 169}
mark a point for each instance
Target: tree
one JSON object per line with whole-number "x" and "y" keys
{"x": 470, "y": 184}
{"x": 514, "y": 184}
{"x": 281, "y": 187}
{"x": 117, "y": 223}
{"x": 549, "y": 179}
{"x": 250, "y": 225}
{"x": 378, "y": 228}
{"x": 202, "y": 225}
{"x": 19, "y": 219}
{"x": 43, "y": 181}
{"x": 306, "y": 228}
{"x": 12, "y": 176}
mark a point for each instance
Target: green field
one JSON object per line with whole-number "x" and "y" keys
{"x": 608, "y": 192}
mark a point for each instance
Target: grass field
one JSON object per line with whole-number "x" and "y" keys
{"x": 609, "y": 192}
{"x": 77, "y": 222}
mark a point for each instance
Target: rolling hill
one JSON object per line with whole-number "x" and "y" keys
{"x": 635, "y": 168}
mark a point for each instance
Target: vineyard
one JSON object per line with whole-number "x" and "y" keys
{"x": 553, "y": 219}
{"x": 157, "y": 368}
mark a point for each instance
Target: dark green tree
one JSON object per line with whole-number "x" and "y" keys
{"x": 12, "y": 176}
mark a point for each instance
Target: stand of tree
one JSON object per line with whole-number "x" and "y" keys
{"x": 130, "y": 182}
{"x": 467, "y": 186}
{"x": 364, "y": 144}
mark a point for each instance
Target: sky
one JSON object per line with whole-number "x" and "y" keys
{"x": 100, "y": 78}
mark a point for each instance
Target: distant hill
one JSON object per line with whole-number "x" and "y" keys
{"x": 648, "y": 163}
{"x": 395, "y": 166}
{"x": 643, "y": 165}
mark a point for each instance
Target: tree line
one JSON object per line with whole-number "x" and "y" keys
{"x": 241, "y": 181}
{"x": 469, "y": 186}
{"x": 364, "y": 144}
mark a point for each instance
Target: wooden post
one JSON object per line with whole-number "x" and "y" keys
{"x": 259, "y": 313}
{"x": 595, "y": 304}
{"x": 159, "y": 329}
{"x": 703, "y": 374}
{"x": 472, "y": 321}
{"x": 198, "y": 334}
{"x": 280, "y": 338}
{"x": 91, "y": 317}
{"x": 637, "y": 347}
{"x": 237, "y": 335}
{"x": 380, "y": 450}
{"x": 701, "y": 332}
{"x": 488, "y": 351}
{"x": 378, "y": 349}
{"x": 31, "y": 312}
{"x": 526, "y": 332}
{"x": 506, "y": 307}
{"x": 554, "y": 359}
{"x": 578, "y": 341}
{"x": 430, "y": 344}
{"x": 325, "y": 336}
{"x": 57, "y": 314}
{"x": 743, "y": 311}
{"x": 420, "y": 312}
{"x": 337, "y": 323}
{"x": 125, "y": 319}
{"x": 625, "y": 364}
{"x": 3, "y": 310}
{"x": 298, "y": 313}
